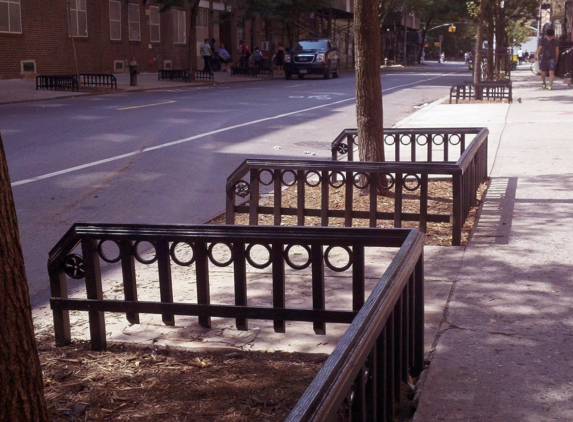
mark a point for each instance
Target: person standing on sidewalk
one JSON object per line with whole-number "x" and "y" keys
{"x": 207, "y": 55}
{"x": 549, "y": 50}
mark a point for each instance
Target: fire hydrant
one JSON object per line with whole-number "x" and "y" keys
{"x": 133, "y": 73}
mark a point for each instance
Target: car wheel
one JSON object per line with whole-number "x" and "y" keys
{"x": 335, "y": 73}
{"x": 300, "y": 76}
{"x": 327, "y": 74}
{"x": 288, "y": 76}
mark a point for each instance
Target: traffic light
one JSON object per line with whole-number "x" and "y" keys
{"x": 452, "y": 28}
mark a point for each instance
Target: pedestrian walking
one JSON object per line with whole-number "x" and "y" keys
{"x": 207, "y": 54}
{"x": 549, "y": 51}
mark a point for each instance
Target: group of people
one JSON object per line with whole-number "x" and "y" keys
{"x": 214, "y": 58}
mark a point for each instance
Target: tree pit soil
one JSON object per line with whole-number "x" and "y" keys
{"x": 130, "y": 382}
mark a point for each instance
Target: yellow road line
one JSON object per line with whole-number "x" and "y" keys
{"x": 146, "y": 105}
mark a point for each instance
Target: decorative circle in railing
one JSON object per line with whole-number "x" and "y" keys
{"x": 424, "y": 137}
{"x": 284, "y": 181}
{"x": 392, "y": 139}
{"x": 74, "y": 266}
{"x": 250, "y": 252}
{"x": 328, "y": 261}
{"x": 355, "y": 139}
{"x": 389, "y": 178}
{"x": 435, "y": 140}
{"x": 107, "y": 247}
{"x": 242, "y": 189}
{"x": 262, "y": 179}
{"x": 290, "y": 261}
{"x": 180, "y": 254}
{"x": 409, "y": 184}
{"x": 408, "y": 140}
{"x": 361, "y": 180}
{"x": 455, "y": 136}
{"x": 138, "y": 256}
{"x": 309, "y": 176}
{"x": 342, "y": 148}
{"x": 334, "y": 181}
{"x": 211, "y": 251}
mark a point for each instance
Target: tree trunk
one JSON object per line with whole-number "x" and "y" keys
{"x": 193, "y": 39}
{"x": 479, "y": 50}
{"x": 21, "y": 386}
{"x": 368, "y": 85}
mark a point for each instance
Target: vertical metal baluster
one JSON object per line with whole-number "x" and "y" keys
{"x": 318, "y": 294}
{"x": 446, "y": 147}
{"x": 397, "y": 352}
{"x": 404, "y": 351}
{"x": 411, "y": 320}
{"x": 398, "y": 200}
{"x": 324, "y": 197}
{"x": 301, "y": 185}
{"x": 254, "y": 198}
{"x": 371, "y": 387}
{"x": 202, "y": 268}
{"x": 430, "y": 146}
{"x": 350, "y": 142}
{"x": 424, "y": 203}
{"x": 358, "y": 274}
{"x": 390, "y": 372}
{"x": 419, "y": 317}
{"x": 381, "y": 377}
{"x": 277, "y": 197}
{"x": 129, "y": 277}
{"x": 397, "y": 144}
{"x": 94, "y": 291}
{"x": 278, "y": 264}
{"x": 59, "y": 289}
{"x": 457, "y": 208}
{"x": 413, "y": 148}
{"x": 348, "y": 199}
{"x": 240, "y": 273}
{"x": 230, "y": 205}
{"x": 165, "y": 282}
{"x": 462, "y": 143}
{"x": 358, "y": 406}
{"x": 374, "y": 177}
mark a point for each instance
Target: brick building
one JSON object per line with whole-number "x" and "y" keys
{"x": 103, "y": 36}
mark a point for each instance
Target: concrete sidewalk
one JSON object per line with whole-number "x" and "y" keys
{"x": 503, "y": 351}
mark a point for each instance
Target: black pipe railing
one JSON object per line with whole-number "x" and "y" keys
{"x": 98, "y": 79}
{"x": 57, "y": 82}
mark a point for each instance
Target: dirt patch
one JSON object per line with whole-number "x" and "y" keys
{"x": 135, "y": 383}
{"x": 440, "y": 197}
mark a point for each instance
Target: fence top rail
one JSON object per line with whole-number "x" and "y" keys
{"x": 323, "y": 397}
{"x": 467, "y": 156}
{"x": 57, "y": 76}
{"x": 411, "y": 131}
{"x": 342, "y": 166}
{"x": 373, "y": 237}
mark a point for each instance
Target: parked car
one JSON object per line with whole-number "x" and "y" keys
{"x": 317, "y": 56}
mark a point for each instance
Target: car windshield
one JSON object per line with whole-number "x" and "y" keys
{"x": 310, "y": 45}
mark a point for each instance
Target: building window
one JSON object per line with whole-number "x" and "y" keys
{"x": 203, "y": 18}
{"x": 10, "y": 17}
{"x": 154, "y": 32}
{"x": 133, "y": 19}
{"x": 78, "y": 18}
{"x": 179, "y": 27}
{"x": 115, "y": 20}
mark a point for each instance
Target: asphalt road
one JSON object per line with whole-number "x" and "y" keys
{"x": 163, "y": 156}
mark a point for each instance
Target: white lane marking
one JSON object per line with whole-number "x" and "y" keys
{"x": 168, "y": 144}
{"x": 146, "y": 105}
{"x": 180, "y": 141}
